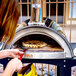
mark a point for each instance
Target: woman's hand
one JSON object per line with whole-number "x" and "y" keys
{"x": 15, "y": 53}
{"x": 13, "y": 66}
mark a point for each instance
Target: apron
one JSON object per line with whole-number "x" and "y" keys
{"x": 29, "y": 72}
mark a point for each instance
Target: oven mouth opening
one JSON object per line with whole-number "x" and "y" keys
{"x": 38, "y": 42}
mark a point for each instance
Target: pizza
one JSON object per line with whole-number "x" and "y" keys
{"x": 34, "y": 44}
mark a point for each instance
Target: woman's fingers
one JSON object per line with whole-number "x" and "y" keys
{"x": 16, "y": 53}
{"x": 15, "y": 56}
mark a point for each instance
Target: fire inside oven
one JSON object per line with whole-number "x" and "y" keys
{"x": 38, "y": 42}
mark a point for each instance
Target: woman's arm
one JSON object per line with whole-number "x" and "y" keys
{"x": 10, "y": 53}
{"x": 14, "y": 65}
{"x": 8, "y": 71}
{"x": 4, "y": 54}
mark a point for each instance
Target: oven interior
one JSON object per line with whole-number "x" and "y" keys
{"x": 51, "y": 44}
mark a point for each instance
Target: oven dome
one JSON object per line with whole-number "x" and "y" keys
{"x": 48, "y": 32}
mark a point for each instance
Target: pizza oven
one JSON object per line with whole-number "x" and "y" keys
{"x": 50, "y": 43}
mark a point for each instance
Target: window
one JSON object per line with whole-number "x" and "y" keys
{"x": 25, "y": 10}
{"x": 55, "y": 10}
{"x": 73, "y": 10}
{"x": 60, "y": 9}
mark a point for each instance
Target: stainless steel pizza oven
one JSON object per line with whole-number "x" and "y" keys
{"x": 57, "y": 46}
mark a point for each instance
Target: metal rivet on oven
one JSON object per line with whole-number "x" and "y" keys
{"x": 64, "y": 60}
{"x": 8, "y": 59}
{"x": 64, "y": 66}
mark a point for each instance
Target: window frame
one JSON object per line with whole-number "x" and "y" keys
{"x": 69, "y": 12}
